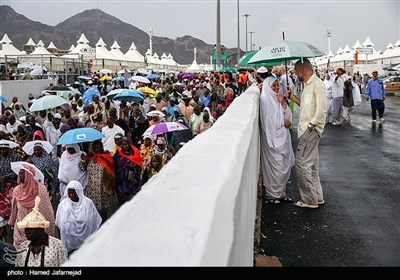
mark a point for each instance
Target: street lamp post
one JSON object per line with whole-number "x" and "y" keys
{"x": 218, "y": 62}
{"x": 251, "y": 39}
{"x": 238, "y": 33}
{"x": 246, "y": 15}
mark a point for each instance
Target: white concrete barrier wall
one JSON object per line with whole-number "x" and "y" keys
{"x": 199, "y": 210}
{"x": 22, "y": 88}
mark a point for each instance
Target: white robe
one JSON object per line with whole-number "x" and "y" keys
{"x": 108, "y": 141}
{"x": 70, "y": 170}
{"x": 277, "y": 155}
{"x": 76, "y": 220}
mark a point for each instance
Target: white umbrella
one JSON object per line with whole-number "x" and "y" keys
{"x": 106, "y": 71}
{"x": 18, "y": 165}
{"x": 28, "y": 147}
{"x": 47, "y": 102}
{"x": 37, "y": 70}
{"x": 155, "y": 113}
{"x": 114, "y": 92}
{"x": 142, "y": 71}
{"x": 8, "y": 144}
{"x": 140, "y": 79}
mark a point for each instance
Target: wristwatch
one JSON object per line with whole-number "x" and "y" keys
{"x": 311, "y": 126}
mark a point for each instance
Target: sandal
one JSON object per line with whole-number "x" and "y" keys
{"x": 286, "y": 199}
{"x": 273, "y": 201}
{"x": 305, "y": 205}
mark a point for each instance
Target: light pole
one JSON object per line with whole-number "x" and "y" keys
{"x": 328, "y": 33}
{"x": 246, "y": 15}
{"x": 238, "y": 33}
{"x": 251, "y": 39}
{"x": 218, "y": 62}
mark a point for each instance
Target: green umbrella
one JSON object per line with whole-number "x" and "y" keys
{"x": 285, "y": 50}
{"x": 230, "y": 70}
{"x": 246, "y": 57}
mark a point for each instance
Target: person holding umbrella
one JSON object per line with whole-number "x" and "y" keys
{"x": 310, "y": 128}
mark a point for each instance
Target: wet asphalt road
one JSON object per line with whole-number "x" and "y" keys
{"x": 359, "y": 225}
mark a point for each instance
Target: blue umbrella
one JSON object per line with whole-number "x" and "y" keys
{"x": 79, "y": 135}
{"x": 88, "y": 95}
{"x": 3, "y": 98}
{"x": 129, "y": 95}
{"x": 119, "y": 79}
{"x": 152, "y": 76}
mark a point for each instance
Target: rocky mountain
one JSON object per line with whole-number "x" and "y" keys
{"x": 95, "y": 24}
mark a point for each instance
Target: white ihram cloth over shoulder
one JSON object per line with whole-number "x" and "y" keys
{"x": 277, "y": 156}
{"x": 76, "y": 220}
{"x": 70, "y": 168}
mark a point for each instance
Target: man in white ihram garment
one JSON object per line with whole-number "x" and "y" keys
{"x": 277, "y": 155}
{"x": 337, "y": 94}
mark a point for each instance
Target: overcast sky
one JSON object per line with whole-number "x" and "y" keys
{"x": 308, "y": 21}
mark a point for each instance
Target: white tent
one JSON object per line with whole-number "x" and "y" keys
{"x": 164, "y": 59}
{"x": 133, "y": 54}
{"x": 40, "y": 50}
{"x": 30, "y": 43}
{"x": 102, "y": 52}
{"x": 149, "y": 58}
{"x": 52, "y": 46}
{"x": 116, "y": 51}
{"x": 171, "y": 60}
{"x": 7, "y": 48}
{"x": 82, "y": 42}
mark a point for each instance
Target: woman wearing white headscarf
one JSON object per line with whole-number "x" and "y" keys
{"x": 277, "y": 156}
{"x": 71, "y": 167}
{"x": 77, "y": 217}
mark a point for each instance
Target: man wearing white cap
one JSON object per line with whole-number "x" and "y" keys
{"x": 262, "y": 74}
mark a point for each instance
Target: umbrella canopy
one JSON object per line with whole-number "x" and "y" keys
{"x": 106, "y": 71}
{"x": 88, "y": 95}
{"x": 118, "y": 79}
{"x": 156, "y": 113}
{"x": 47, "y": 102}
{"x": 246, "y": 57}
{"x": 147, "y": 90}
{"x": 129, "y": 95}
{"x": 143, "y": 71}
{"x": 230, "y": 70}
{"x": 105, "y": 78}
{"x": 114, "y": 92}
{"x": 3, "y": 98}
{"x": 152, "y": 76}
{"x": 37, "y": 70}
{"x": 28, "y": 147}
{"x": 62, "y": 91}
{"x": 164, "y": 127}
{"x": 140, "y": 79}
{"x": 285, "y": 50}
{"x": 85, "y": 77}
{"x": 8, "y": 144}
{"x": 58, "y": 88}
{"x": 80, "y": 135}
{"x": 18, "y": 165}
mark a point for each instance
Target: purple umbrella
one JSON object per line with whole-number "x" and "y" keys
{"x": 164, "y": 127}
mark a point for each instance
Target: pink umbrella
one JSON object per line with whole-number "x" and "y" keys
{"x": 164, "y": 127}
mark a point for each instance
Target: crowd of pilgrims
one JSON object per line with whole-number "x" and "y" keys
{"x": 82, "y": 181}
